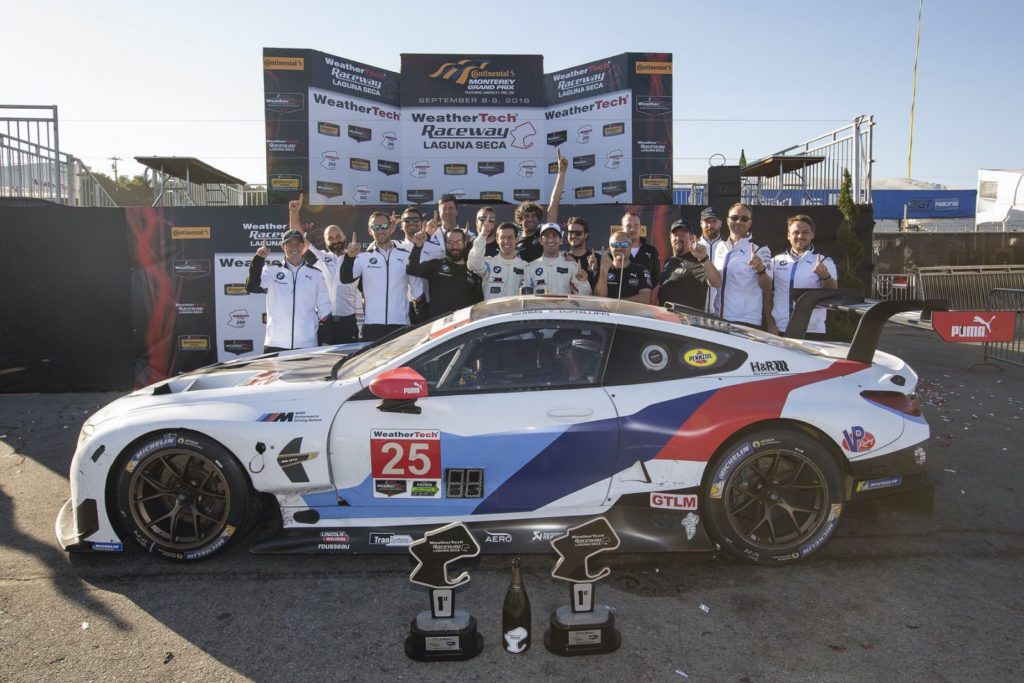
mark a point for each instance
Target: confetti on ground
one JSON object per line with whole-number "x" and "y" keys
{"x": 704, "y": 608}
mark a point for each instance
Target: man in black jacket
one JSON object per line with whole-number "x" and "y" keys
{"x": 687, "y": 274}
{"x": 452, "y": 285}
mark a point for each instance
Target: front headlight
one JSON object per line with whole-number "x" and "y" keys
{"x": 87, "y": 431}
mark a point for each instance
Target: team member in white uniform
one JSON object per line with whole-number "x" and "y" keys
{"x": 800, "y": 268}
{"x": 746, "y": 272}
{"x": 345, "y": 298}
{"x": 554, "y": 272}
{"x": 296, "y": 295}
{"x": 385, "y": 282}
{"x": 711, "y": 235}
{"x": 502, "y": 274}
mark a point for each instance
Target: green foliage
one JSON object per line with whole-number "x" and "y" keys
{"x": 848, "y": 260}
{"x": 127, "y": 191}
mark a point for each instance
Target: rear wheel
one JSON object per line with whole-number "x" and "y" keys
{"x": 773, "y": 497}
{"x": 183, "y": 496}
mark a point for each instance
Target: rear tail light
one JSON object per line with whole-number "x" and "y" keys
{"x": 903, "y": 403}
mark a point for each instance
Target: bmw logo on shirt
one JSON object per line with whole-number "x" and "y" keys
{"x": 373, "y": 260}
{"x": 445, "y": 268}
{"x": 539, "y": 271}
{"x": 497, "y": 269}
{"x": 280, "y": 276}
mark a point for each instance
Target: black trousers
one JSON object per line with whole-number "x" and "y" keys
{"x": 338, "y": 329}
{"x": 375, "y": 332}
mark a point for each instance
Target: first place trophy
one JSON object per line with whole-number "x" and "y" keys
{"x": 443, "y": 633}
{"x": 583, "y": 628}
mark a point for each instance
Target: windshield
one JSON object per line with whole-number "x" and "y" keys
{"x": 376, "y": 356}
{"x": 751, "y": 333}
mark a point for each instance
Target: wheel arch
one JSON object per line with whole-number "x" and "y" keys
{"x": 783, "y": 423}
{"x": 110, "y": 486}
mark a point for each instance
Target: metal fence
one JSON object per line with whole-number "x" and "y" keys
{"x": 894, "y": 286}
{"x": 967, "y": 287}
{"x": 32, "y": 165}
{"x": 847, "y": 148}
{"x": 1006, "y": 299}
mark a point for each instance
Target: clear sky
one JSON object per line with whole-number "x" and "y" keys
{"x": 185, "y": 78}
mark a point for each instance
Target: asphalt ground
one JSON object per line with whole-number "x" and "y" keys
{"x": 893, "y": 596}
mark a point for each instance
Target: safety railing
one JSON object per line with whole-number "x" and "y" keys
{"x": 967, "y": 287}
{"x": 32, "y": 165}
{"x": 894, "y": 286}
{"x": 1007, "y": 299}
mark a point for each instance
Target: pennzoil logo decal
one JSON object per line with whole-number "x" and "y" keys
{"x": 700, "y": 358}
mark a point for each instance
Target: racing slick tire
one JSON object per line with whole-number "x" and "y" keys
{"x": 773, "y": 497}
{"x": 182, "y": 496}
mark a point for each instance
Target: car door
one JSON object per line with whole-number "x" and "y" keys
{"x": 661, "y": 383}
{"x": 515, "y": 422}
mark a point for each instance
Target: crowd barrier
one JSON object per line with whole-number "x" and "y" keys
{"x": 1007, "y": 299}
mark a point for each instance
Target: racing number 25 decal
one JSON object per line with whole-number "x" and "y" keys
{"x": 405, "y": 463}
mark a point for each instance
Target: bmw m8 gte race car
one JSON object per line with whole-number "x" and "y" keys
{"x": 520, "y": 417}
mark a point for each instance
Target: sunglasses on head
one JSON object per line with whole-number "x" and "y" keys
{"x": 739, "y": 219}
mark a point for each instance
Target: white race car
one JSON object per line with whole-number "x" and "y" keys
{"x": 520, "y": 417}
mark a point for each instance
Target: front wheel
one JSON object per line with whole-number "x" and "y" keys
{"x": 182, "y": 496}
{"x": 774, "y": 496}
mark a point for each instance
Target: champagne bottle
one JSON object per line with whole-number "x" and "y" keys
{"x": 743, "y": 158}
{"x": 515, "y": 615}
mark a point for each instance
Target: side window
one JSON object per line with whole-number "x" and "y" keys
{"x": 639, "y": 356}
{"x": 517, "y": 357}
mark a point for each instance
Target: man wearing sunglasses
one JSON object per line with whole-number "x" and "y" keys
{"x": 689, "y": 271}
{"x": 711, "y": 235}
{"x": 621, "y": 278}
{"x": 502, "y": 274}
{"x": 553, "y": 272}
{"x": 487, "y": 218}
{"x": 382, "y": 271}
{"x": 340, "y": 326}
{"x": 452, "y": 285}
{"x": 412, "y": 223}
{"x": 746, "y": 272}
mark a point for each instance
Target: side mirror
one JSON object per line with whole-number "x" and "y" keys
{"x": 399, "y": 388}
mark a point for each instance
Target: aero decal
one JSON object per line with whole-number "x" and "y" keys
{"x": 291, "y": 458}
{"x": 732, "y": 408}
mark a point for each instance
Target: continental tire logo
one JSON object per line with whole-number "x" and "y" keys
{"x": 654, "y": 67}
{"x": 459, "y": 71}
{"x": 284, "y": 63}
{"x": 190, "y": 233}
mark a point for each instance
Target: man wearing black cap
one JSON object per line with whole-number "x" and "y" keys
{"x": 711, "y": 235}
{"x": 297, "y": 297}
{"x": 686, "y": 275}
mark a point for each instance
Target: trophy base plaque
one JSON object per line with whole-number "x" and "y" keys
{"x": 582, "y": 633}
{"x": 443, "y": 640}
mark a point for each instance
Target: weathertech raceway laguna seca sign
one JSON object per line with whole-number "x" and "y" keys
{"x": 481, "y": 127}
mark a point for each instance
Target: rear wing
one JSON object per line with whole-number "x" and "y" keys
{"x": 874, "y": 315}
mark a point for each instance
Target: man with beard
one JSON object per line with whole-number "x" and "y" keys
{"x": 711, "y": 235}
{"x": 554, "y": 272}
{"x": 452, "y": 285}
{"x": 578, "y": 232}
{"x": 746, "y": 272}
{"x": 502, "y": 274}
{"x": 802, "y": 267}
{"x": 382, "y": 271}
{"x": 340, "y": 327}
{"x": 446, "y": 218}
{"x": 296, "y": 296}
{"x": 620, "y": 278}
{"x": 639, "y": 250}
{"x": 528, "y": 215}
{"x": 685, "y": 278}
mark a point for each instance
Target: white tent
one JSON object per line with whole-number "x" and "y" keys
{"x": 1000, "y": 199}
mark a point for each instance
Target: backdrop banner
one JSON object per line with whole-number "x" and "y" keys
{"x": 482, "y": 127}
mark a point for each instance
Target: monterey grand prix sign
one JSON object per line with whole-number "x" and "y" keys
{"x": 481, "y": 127}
